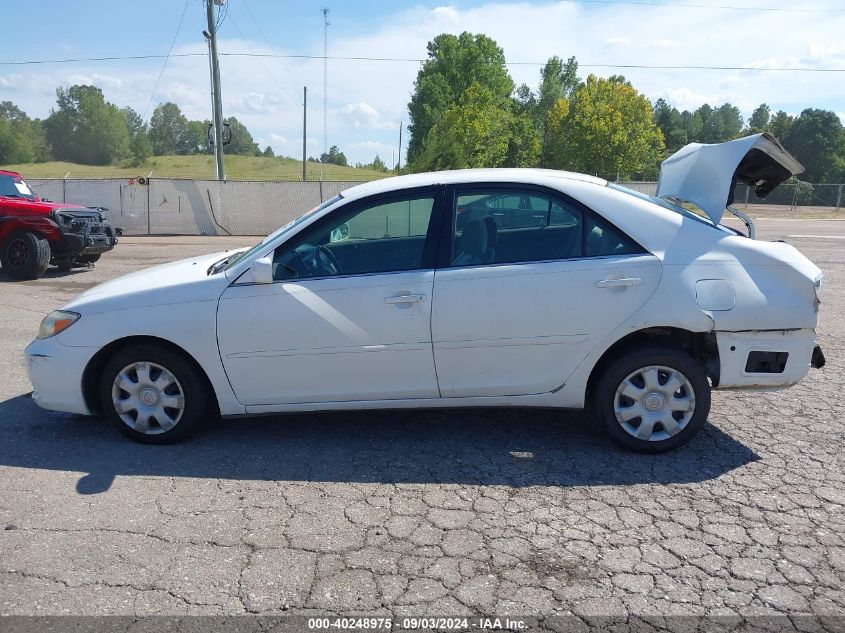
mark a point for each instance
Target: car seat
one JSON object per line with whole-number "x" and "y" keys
{"x": 473, "y": 244}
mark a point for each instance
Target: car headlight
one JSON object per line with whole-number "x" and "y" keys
{"x": 55, "y": 322}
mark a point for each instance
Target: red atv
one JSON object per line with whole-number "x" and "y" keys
{"x": 35, "y": 233}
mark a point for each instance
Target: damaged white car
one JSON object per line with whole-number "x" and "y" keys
{"x": 494, "y": 287}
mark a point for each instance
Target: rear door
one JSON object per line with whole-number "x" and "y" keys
{"x": 523, "y": 294}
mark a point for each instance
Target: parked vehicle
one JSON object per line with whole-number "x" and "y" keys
{"x": 628, "y": 303}
{"x": 35, "y": 233}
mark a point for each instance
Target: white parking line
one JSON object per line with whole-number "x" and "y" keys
{"x": 822, "y": 237}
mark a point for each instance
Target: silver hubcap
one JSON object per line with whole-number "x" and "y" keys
{"x": 148, "y": 398}
{"x": 654, "y": 403}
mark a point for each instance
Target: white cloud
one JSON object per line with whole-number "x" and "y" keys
{"x": 279, "y": 139}
{"x": 363, "y": 115}
{"x": 618, "y": 41}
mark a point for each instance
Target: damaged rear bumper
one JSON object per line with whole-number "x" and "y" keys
{"x": 766, "y": 359}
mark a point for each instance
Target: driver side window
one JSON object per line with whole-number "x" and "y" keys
{"x": 388, "y": 236}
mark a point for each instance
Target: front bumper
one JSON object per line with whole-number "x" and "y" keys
{"x": 87, "y": 239}
{"x": 796, "y": 351}
{"x": 55, "y": 371}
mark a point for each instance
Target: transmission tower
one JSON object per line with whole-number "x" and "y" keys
{"x": 326, "y": 80}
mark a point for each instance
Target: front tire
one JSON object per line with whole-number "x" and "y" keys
{"x": 153, "y": 394}
{"x": 653, "y": 399}
{"x": 25, "y": 255}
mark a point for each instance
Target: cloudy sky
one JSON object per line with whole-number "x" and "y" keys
{"x": 367, "y": 100}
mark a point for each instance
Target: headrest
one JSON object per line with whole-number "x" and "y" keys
{"x": 474, "y": 238}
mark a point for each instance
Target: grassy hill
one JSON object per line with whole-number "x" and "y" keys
{"x": 200, "y": 167}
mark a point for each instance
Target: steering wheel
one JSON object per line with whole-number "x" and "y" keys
{"x": 327, "y": 260}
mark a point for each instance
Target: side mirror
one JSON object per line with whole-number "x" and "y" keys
{"x": 339, "y": 234}
{"x": 262, "y": 270}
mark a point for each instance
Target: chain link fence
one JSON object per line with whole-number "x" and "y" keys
{"x": 211, "y": 207}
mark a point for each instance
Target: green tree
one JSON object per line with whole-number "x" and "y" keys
{"x": 760, "y": 118}
{"x": 817, "y": 140}
{"x": 474, "y": 132}
{"x": 242, "y": 142}
{"x": 22, "y": 140}
{"x": 453, "y": 64}
{"x": 139, "y": 141}
{"x": 558, "y": 80}
{"x": 334, "y": 157}
{"x": 87, "y": 129}
{"x": 607, "y": 128}
{"x": 378, "y": 164}
{"x": 195, "y": 138}
{"x": 781, "y": 125}
{"x": 268, "y": 152}
{"x": 731, "y": 121}
{"x": 672, "y": 125}
{"x": 168, "y": 130}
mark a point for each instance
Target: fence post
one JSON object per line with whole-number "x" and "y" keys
{"x": 794, "y": 198}
{"x": 839, "y": 198}
{"x": 64, "y": 196}
{"x": 148, "y": 205}
{"x": 321, "y": 191}
{"x": 747, "y": 193}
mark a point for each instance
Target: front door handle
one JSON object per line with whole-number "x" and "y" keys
{"x": 613, "y": 281}
{"x": 409, "y": 298}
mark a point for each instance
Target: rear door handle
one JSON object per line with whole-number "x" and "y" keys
{"x": 618, "y": 282}
{"x": 409, "y": 298}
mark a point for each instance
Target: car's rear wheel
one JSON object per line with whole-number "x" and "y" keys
{"x": 25, "y": 255}
{"x": 653, "y": 399}
{"x": 153, "y": 394}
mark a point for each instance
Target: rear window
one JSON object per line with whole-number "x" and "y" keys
{"x": 663, "y": 202}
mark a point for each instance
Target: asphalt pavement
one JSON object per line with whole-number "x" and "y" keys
{"x": 423, "y": 512}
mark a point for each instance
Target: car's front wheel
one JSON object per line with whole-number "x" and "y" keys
{"x": 153, "y": 394}
{"x": 25, "y": 255}
{"x": 653, "y": 399}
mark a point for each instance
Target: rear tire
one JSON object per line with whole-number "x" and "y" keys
{"x": 25, "y": 255}
{"x": 652, "y": 399}
{"x": 153, "y": 394}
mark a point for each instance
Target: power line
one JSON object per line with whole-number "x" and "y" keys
{"x": 685, "y": 5}
{"x": 414, "y": 60}
{"x": 166, "y": 58}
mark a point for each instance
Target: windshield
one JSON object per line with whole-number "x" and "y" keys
{"x": 663, "y": 202}
{"x": 15, "y": 187}
{"x": 236, "y": 257}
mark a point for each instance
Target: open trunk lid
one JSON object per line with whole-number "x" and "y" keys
{"x": 706, "y": 174}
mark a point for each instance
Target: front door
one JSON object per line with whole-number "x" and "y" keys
{"x": 531, "y": 283}
{"x": 348, "y": 316}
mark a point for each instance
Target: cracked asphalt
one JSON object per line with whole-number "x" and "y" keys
{"x": 423, "y": 512}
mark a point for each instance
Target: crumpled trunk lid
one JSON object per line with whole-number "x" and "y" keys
{"x": 706, "y": 174}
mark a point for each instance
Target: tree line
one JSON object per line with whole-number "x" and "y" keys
{"x": 467, "y": 112}
{"x": 85, "y": 128}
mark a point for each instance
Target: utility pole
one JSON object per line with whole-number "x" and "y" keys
{"x": 399, "y": 162}
{"x": 304, "y": 125}
{"x": 326, "y": 80}
{"x": 217, "y": 106}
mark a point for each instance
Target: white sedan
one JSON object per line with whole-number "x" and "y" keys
{"x": 509, "y": 288}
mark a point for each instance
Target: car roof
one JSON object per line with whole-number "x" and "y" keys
{"x": 530, "y": 176}
{"x": 5, "y": 172}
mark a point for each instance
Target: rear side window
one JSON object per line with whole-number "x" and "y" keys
{"x": 602, "y": 240}
{"x": 502, "y": 226}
